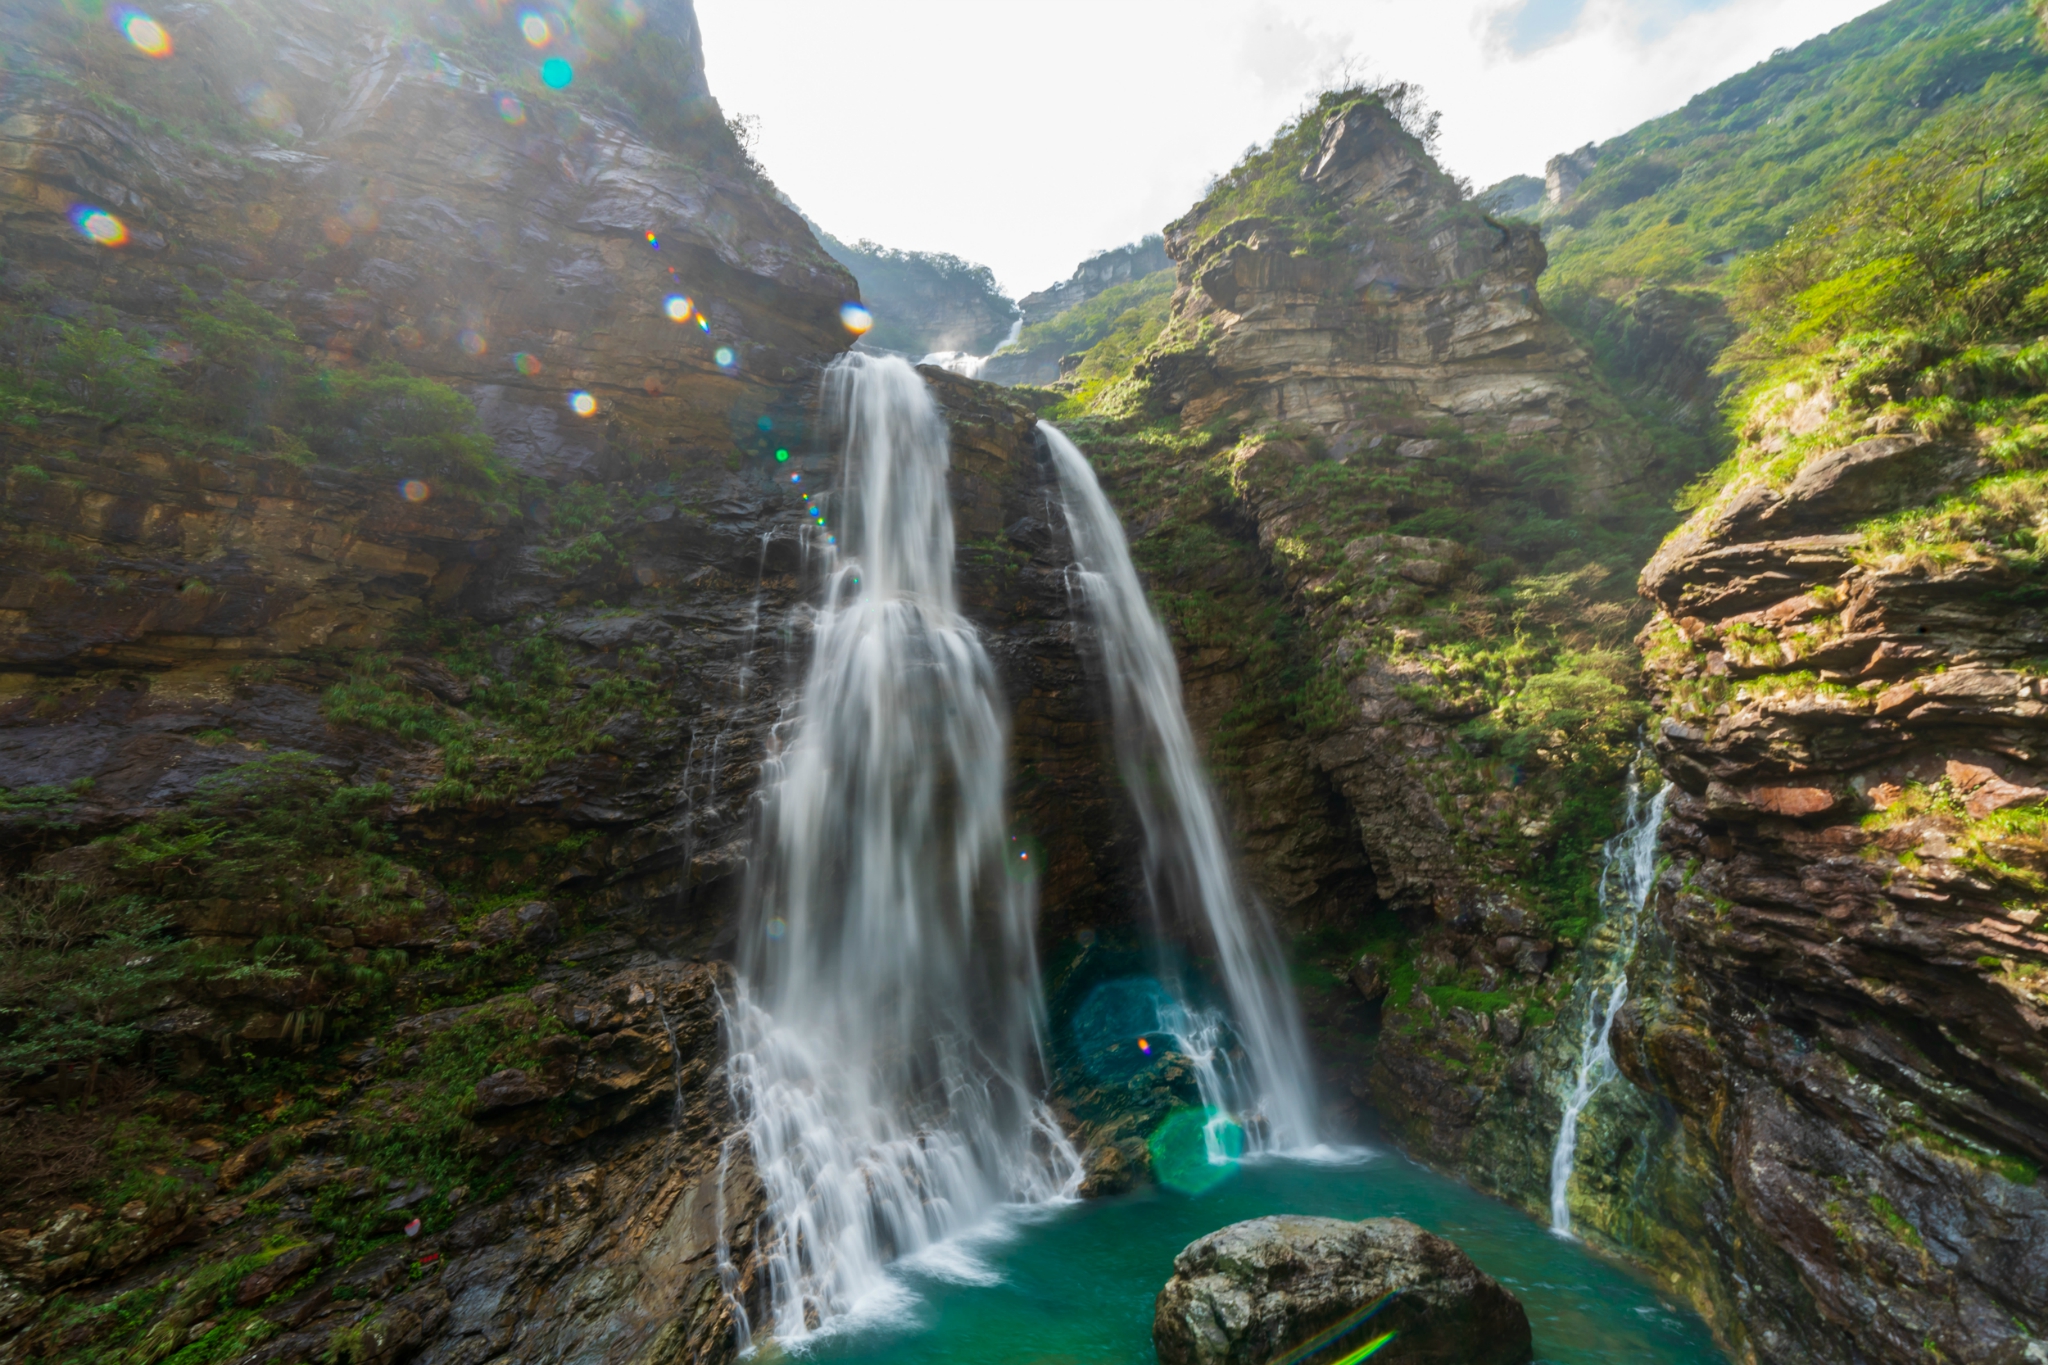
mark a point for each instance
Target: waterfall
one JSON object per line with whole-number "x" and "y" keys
{"x": 1628, "y": 871}
{"x": 1188, "y": 873}
{"x": 971, "y": 366}
{"x": 884, "y": 1032}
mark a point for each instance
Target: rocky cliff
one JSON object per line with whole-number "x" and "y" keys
{"x": 401, "y": 583}
{"x": 1851, "y": 1037}
{"x": 1392, "y": 513}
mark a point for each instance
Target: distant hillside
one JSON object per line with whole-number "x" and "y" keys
{"x": 1642, "y": 229}
{"x": 924, "y": 301}
{"x": 1096, "y": 302}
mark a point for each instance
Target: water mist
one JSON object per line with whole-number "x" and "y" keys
{"x": 1189, "y": 879}
{"x": 885, "y": 1030}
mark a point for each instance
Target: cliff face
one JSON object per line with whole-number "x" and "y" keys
{"x": 1853, "y": 1035}
{"x": 394, "y": 721}
{"x": 1392, "y": 515}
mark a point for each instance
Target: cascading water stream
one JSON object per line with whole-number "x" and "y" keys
{"x": 1188, "y": 872}
{"x": 885, "y": 1027}
{"x": 1627, "y": 875}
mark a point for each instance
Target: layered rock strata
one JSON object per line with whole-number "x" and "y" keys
{"x": 1851, "y": 1035}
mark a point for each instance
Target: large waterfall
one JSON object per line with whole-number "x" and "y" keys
{"x": 885, "y": 1035}
{"x": 1188, "y": 874}
{"x": 1627, "y": 876}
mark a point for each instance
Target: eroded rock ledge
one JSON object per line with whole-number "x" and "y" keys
{"x": 1853, "y": 1038}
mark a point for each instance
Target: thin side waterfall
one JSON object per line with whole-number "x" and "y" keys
{"x": 1628, "y": 872}
{"x": 885, "y": 1027}
{"x": 1188, "y": 873}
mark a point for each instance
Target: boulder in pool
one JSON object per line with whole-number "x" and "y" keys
{"x": 1256, "y": 1291}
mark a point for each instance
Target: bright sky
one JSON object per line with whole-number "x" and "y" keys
{"x": 1029, "y": 135}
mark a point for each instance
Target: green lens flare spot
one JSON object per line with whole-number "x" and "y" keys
{"x": 782, "y": 455}
{"x": 1195, "y": 1149}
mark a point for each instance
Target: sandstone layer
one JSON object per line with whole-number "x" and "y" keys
{"x": 1853, "y": 1032}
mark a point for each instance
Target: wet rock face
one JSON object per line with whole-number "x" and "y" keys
{"x": 1856, "y": 1030}
{"x": 1259, "y": 1289}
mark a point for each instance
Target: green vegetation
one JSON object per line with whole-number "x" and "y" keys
{"x": 529, "y": 707}
{"x": 234, "y": 374}
{"x": 1729, "y": 174}
{"x": 1112, "y": 329}
{"x": 1911, "y": 300}
{"x": 922, "y": 300}
{"x": 78, "y": 968}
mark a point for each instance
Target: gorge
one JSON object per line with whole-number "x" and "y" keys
{"x": 563, "y": 801}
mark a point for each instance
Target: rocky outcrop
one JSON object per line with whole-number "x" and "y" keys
{"x": 1258, "y": 1290}
{"x": 611, "y": 1219}
{"x": 1420, "y": 329}
{"x": 1855, "y": 1028}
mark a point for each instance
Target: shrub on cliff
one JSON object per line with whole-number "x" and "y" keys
{"x": 1946, "y": 239}
{"x": 236, "y": 372}
{"x": 79, "y": 965}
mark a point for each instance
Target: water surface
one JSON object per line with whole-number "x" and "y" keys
{"x": 1074, "y": 1285}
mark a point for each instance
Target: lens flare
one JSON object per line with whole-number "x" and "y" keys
{"x": 654, "y": 241}
{"x": 535, "y": 29}
{"x": 781, "y": 456}
{"x": 151, "y": 39}
{"x": 855, "y": 318}
{"x": 703, "y": 323}
{"x": 678, "y": 308}
{"x": 556, "y": 74}
{"x": 415, "y": 490}
{"x": 511, "y": 110}
{"x": 777, "y": 927}
{"x": 1144, "y": 1044}
{"x": 473, "y": 342}
{"x": 100, "y": 226}
{"x": 628, "y": 12}
{"x": 582, "y": 404}
{"x": 526, "y": 363}
{"x": 725, "y": 357}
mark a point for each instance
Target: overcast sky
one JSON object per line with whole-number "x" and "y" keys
{"x": 1029, "y": 134}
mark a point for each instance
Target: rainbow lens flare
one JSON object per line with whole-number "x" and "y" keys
{"x": 678, "y": 308}
{"x": 535, "y": 29}
{"x": 1144, "y": 1044}
{"x": 855, "y": 318}
{"x": 151, "y": 39}
{"x": 511, "y": 110}
{"x": 582, "y": 404}
{"x": 415, "y": 490}
{"x": 703, "y": 323}
{"x": 777, "y": 927}
{"x": 556, "y": 74}
{"x": 100, "y": 226}
{"x": 726, "y": 357}
{"x": 526, "y": 363}
{"x": 654, "y": 241}
{"x": 473, "y": 342}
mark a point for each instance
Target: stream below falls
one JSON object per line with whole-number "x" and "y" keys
{"x": 1073, "y": 1284}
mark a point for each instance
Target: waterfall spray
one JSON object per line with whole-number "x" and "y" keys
{"x": 885, "y": 1026}
{"x": 1188, "y": 873}
{"x": 1629, "y": 866}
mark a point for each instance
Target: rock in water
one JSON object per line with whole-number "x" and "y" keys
{"x": 1254, "y": 1291}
